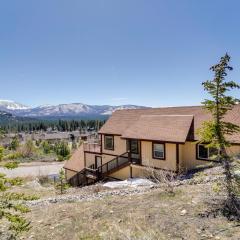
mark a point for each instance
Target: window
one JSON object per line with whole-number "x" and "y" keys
{"x": 158, "y": 151}
{"x": 109, "y": 142}
{"x": 204, "y": 153}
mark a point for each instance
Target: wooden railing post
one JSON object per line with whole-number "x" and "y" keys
{"x": 129, "y": 156}
{"x": 117, "y": 161}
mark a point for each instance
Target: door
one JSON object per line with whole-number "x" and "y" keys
{"x": 134, "y": 147}
{"x": 98, "y": 161}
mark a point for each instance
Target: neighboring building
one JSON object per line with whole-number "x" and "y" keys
{"x": 54, "y": 137}
{"x": 132, "y": 140}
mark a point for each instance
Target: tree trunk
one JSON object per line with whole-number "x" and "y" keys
{"x": 231, "y": 203}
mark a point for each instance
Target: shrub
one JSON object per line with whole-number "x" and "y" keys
{"x": 12, "y": 156}
{"x": 28, "y": 149}
{"x": 62, "y": 150}
{"x": 11, "y": 165}
{"x": 14, "y": 144}
{"x": 46, "y": 147}
{"x": 1, "y": 152}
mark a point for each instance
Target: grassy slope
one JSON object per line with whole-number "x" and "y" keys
{"x": 154, "y": 215}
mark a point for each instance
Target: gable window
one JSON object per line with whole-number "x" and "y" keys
{"x": 109, "y": 142}
{"x": 158, "y": 151}
{"x": 204, "y": 153}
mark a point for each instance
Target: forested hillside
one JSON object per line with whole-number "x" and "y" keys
{"x": 11, "y": 123}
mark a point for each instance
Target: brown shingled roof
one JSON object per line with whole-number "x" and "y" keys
{"x": 76, "y": 162}
{"x": 121, "y": 120}
{"x": 172, "y": 128}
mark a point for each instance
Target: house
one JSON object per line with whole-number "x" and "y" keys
{"x": 131, "y": 140}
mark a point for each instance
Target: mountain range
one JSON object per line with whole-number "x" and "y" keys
{"x": 72, "y": 110}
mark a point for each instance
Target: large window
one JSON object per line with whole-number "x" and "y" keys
{"x": 109, "y": 142}
{"x": 158, "y": 151}
{"x": 204, "y": 153}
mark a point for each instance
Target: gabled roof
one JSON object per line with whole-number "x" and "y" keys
{"x": 121, "y": 120}
{"x": 171, "y": 128}
{"x": 76, "y": 162}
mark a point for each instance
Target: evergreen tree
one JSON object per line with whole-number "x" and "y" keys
{"x": 12, "y": 206}
{"x": 62, "y": 184}
{"x": 215, "y": 132}
{"x": 62, "y": 150}
{"x": 14, "y": 143}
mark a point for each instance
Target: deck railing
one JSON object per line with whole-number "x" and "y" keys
{"x": 113, "y": 164}
{"x": 92, "y": 147}
{"x": 90, "y": 172}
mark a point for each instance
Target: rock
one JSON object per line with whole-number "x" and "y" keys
{"x": 199, "y": 231}
{"x": 183, "y": 212}
{"x": 34, "y": 184}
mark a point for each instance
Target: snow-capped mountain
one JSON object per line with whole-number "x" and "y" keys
{"x": 62, "y": 110}
{"x": 6, "y": 105}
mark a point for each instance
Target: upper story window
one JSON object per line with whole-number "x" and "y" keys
{"x": 158, "y": 151}
{"x": 205, "y": 153}
{"x": 109, "y": 142}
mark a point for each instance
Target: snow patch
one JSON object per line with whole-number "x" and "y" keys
{"x": 131, "y": 182}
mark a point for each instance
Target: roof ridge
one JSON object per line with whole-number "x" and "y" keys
{"x": 167, "y": 115}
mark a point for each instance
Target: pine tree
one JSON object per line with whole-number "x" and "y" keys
{"x": 62, "y": 184}
{"x": 12, "y": 206}
{"x": 215, "y": 132}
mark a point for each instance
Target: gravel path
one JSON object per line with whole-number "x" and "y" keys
{"x": 33, "y": 169}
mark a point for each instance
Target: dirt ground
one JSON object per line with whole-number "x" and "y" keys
{"x": 151, "y": 215}
{"x": 33, "y": 169}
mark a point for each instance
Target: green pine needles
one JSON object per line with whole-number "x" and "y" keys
{"x": 12, "y": 206}
{"x": 216, "y": 131}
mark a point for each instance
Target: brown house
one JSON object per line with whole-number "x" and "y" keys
{"x": 132, "y": 140}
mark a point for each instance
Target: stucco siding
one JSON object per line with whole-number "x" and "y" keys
{"x": 190, "y": 160}
{"x": 120, "y": 146}
{"x": 170, "y": 160}
{"x": 69, "y": 173}
{"x": 90, "y": 159}
{"x": 107, "y": 158}
{"x": 234, "y": 150}
{"x": 139, "y": 171}
{"x": 122, "y": 174}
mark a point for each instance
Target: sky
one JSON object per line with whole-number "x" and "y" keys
{"x": 145, "y": 52}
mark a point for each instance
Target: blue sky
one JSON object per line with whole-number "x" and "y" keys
{"x": 145, "y": 52}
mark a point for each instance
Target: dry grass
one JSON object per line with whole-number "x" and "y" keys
{"x": 154, "y": 215}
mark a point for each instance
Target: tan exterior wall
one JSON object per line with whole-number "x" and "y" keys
{"x": 122, "y": 174}
{"x": 234, "y": 150}
{"x": 170, "y": 160}
{"x": 69, "y": 173}
{"x": 181, "y": 160}
{"x": 107, "y": 158}
{"x": 189, "y": 156}
{"x": 139, "y": 171}
{"x": 190, "y": 160}
{"x": 90, "y": 159}
{"x": 120, "y": 146}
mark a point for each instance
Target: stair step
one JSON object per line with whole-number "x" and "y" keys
{"x": 94, "y": 177}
